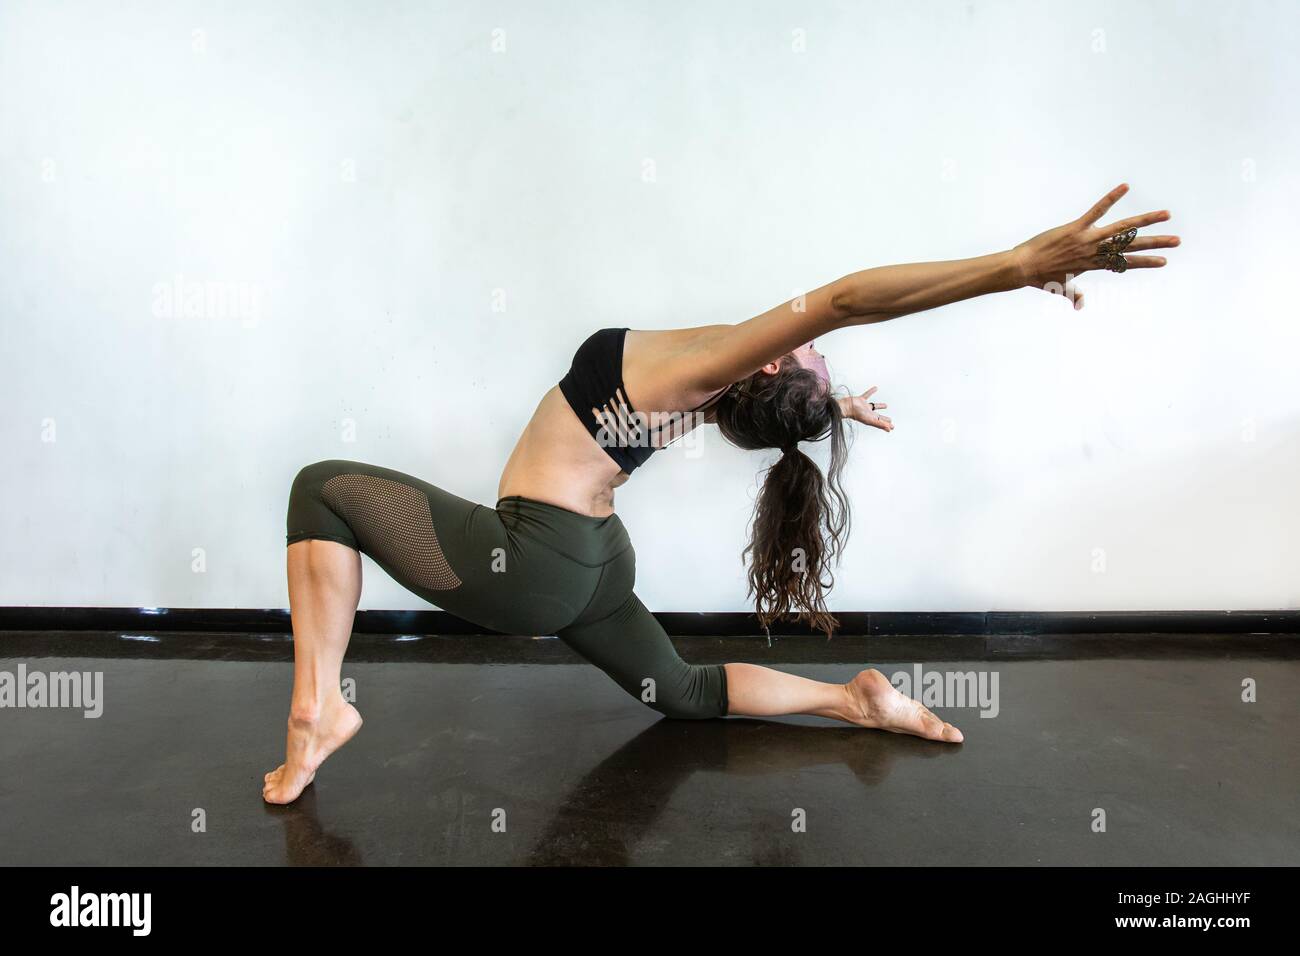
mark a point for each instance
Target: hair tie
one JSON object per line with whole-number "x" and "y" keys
{"x": 786, "y": 449}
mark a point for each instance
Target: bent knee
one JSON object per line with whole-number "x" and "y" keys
{"x": 309, "y": 515}
{"x": 701, "y": 695}
{"x": 311, "y": 477}
{"x": 686, "y": 709}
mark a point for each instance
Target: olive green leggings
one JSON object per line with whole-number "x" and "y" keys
{"x": 523, "y": 567}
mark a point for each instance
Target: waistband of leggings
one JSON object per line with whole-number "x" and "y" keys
{"x": 581, "y": 538}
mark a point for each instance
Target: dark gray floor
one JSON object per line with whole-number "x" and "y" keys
{"x": 458, "y": 729}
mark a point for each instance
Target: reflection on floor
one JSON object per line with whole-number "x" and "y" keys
{"x": 485, "y": 750}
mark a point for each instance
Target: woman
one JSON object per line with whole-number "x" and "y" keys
{"x": 553, "y": 558}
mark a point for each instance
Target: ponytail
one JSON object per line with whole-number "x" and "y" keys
{"x": 801, "y": 518}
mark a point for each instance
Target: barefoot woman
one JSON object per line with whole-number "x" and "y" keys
{"x": 553, "y": 558}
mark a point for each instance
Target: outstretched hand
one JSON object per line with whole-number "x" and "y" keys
{"x": 1050, "y": 259}
{"x": 861, "y": 408}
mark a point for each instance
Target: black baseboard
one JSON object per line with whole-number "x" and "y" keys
{"x": 676, "y": 623}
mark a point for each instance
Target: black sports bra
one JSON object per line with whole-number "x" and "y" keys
{"x": 594, "y": 389}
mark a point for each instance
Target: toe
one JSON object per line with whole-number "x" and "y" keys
{"x": 925, "y": 723}
{"x": 934, "y": 727}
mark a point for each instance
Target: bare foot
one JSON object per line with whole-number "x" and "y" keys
{"x": 882, "y": 706}
{"x": 311, "y": 739}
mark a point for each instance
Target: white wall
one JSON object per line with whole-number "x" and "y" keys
{"x": 375, "y": 172}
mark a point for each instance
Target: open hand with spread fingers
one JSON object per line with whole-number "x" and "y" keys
{"x": 861, "y": 408}
{"x": 1052, "y": 258}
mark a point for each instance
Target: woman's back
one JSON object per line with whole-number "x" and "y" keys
{"x": 558, "y": 461}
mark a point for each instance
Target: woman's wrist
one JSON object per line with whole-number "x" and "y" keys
{"x": 1018, "y": 268}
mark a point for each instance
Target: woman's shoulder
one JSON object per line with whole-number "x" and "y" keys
{"x": 662, "y": 368}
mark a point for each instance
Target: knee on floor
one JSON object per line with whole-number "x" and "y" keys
{"x": 685, "y": 709}
{"x": 702, "y": 696}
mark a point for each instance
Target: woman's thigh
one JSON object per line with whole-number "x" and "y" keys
{"x": 447, "y": 550}
{"x": 632, "y": 647}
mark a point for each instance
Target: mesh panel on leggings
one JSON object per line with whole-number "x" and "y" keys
{"x": 393, "y": 524}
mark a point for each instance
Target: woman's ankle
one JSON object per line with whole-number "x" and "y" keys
{"x": 307, "y": 711}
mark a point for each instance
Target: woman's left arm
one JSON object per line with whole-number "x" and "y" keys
{"x": 887, "y": 292}
{"x": 1047, "y": 261}
{"x": 723, "y": 354}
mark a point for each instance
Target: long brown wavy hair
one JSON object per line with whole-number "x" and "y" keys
{"x": 801, "y": 519}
